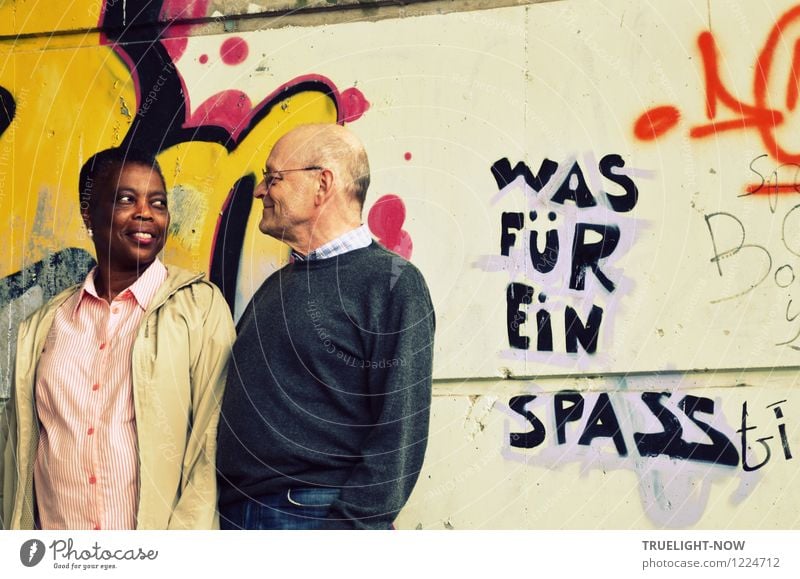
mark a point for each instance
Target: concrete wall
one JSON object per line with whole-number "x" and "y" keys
{"x": 602, "y": 196}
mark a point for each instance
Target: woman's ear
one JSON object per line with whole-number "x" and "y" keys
{"x": 87, "y": 221}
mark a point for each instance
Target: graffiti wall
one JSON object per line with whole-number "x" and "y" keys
{"x": 603, "y": 198}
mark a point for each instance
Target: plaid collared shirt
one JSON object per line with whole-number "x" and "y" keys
{"x": 357, "y": 238}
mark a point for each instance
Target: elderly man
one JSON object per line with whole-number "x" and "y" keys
{"x": 325, "y": 417}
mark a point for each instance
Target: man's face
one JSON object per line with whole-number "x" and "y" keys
{"x": 287, "y": 192}
{"x": 129, "y": 217}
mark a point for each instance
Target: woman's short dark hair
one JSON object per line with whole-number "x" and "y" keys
{"x": 101, "y": 164}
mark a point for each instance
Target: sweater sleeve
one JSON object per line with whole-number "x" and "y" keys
{"x": 400, "y": 384}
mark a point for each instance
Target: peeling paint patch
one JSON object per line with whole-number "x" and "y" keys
{"x": 123, "y": 108}
{"x": 479, "y": 410}
{"x": 188, "y": 208}
{"x": 25, "y": 291}
{"x": 10, "y": 317}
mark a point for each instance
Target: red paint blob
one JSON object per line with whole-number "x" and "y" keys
{"x": 175, "y": 46}
{"x": 772, "y": 188}
{"x": 407, "y": 156}
{"x": 174, "y": 37}
{"x": 234, "y": 51}
{"x": 228, "y": 109}
{"x": 386, "y": 220}
{"x": 352, "y": 105}
{"x": 174, "y": 9}
{"x": 203, "y": 58}
{"x": 655, "y": 122}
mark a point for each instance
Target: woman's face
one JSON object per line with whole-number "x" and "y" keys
{"x": 129, "y": 217}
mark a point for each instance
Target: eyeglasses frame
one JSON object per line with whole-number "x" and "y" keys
{"x": 270, "y": 177}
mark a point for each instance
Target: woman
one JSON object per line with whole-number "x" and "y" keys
{"x": 118, "y": 380}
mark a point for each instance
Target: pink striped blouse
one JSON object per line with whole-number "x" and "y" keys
{"x": 86, "y": 473}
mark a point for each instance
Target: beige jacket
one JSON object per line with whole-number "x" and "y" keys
{"x": 178, "y": 369}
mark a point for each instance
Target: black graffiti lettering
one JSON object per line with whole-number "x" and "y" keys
{"x": 546, "y": 260}
{"x": 576, "y": 332}
{"x": 773, "y": 183}
{"x": 564, "y": 414}
{"x": 603, "y": 423}
{"x": 665, "y": 442}
{"x": 587, "y": 255}
{"x": 787, "y": 452}
{"x": 536, "y": 436}
{"x": 670, "y": 442}
{"x": 719, "y": 256}
{"x": 592, "y": 244}
{"x": 574, "y": 188}
{"x": 507, "y": 238}
{"x": 504, "y": 175}
{"x": 786, "y": 236}
{"x": 619, "y": 203}
{"x": 721, "y": 450}
{"x": 8, "y": 108}
{"x": 762, "y": 441}
{"x": 516, "y": 295}
{"x": 760, "y": 176}
{"x": 790, "y": 318}
{"x": 544, "y": 336}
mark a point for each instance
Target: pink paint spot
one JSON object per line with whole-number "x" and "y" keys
{"x": 229, "y": 109}
{"x": 309, "y": 82}
{"x": 233, "y": 51}
{"x": 386, "y": 220}
{"x": 407, "y": 156}
{"x": 174, "y": 9}
{"x": 353, "y": 104}
{"x": 175, "y": 46}
{"x": 203, "y": 58}
{"x": 174, "y": 36}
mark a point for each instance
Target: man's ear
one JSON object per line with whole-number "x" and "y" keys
{"x": 326, "y": 185}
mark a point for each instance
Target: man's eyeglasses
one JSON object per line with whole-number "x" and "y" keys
{"x": 271, "y": 177}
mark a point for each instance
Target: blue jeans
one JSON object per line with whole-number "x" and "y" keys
{"x": 294, "y": 509}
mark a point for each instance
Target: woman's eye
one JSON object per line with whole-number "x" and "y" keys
{"x": 161, "y": 203}
{"x": 125, "y": 199}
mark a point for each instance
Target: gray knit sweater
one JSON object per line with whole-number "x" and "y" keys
{"x": 330, "y": 385}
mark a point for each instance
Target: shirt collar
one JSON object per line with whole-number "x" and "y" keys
{"x": 357, "y": 238}
{"x": 142, "y": 290}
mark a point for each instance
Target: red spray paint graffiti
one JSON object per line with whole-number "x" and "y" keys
{"x": 760, "y": 115}
{"x": 175, "y": 36}
{"x": 234, "y": 51}
{"x": 386, "y": 220}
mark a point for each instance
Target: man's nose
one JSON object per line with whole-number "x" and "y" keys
{"x": 261, "y": 189}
